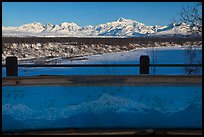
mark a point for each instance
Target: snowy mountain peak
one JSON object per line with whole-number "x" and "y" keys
{"x": 65, "y": 24}
{"x": 122, "y": 28}
{"x": 121, "y": 19}
{"x": 49, "y": 24}
{"x": 34, "y": 27}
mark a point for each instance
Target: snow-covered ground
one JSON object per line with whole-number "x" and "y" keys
{"x": 163, "y": 55}
{"x": 39, "y": 52}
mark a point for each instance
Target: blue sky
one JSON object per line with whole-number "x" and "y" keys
{"x": 90, "y": 13}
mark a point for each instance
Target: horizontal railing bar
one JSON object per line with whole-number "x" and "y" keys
{"x": 106, "y": 65}
{"x": 175, "y": 65}
{"x": 78, "y": 65}
{"x": 102, "y": 80}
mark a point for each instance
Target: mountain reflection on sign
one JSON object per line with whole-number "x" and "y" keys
{"x": 108, "y": 107}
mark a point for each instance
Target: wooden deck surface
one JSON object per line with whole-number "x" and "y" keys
{"x": 102, "y": 80}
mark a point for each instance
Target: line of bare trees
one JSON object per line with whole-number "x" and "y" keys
{"x": 108, "y": 41}
{"x": 192, "y": 15}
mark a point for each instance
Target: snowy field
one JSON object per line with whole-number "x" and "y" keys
{"x": 163, "y": 55}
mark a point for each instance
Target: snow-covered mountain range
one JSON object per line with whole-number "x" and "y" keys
{"x": 119, "y": 28}
{"x": 106, "y": 103}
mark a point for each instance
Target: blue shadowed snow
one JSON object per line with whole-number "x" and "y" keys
{"x": 50, "y": 107}
{"x": 169, "y": 55}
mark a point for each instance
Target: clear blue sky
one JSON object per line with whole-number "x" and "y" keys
{"x": 90, "y": 13}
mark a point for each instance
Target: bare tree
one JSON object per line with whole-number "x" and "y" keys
{"x": 192, "y": 15}
{"x": 153, "y": 58}
{"x": 193, "y": 57}
{"x": 153, "y": 53}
